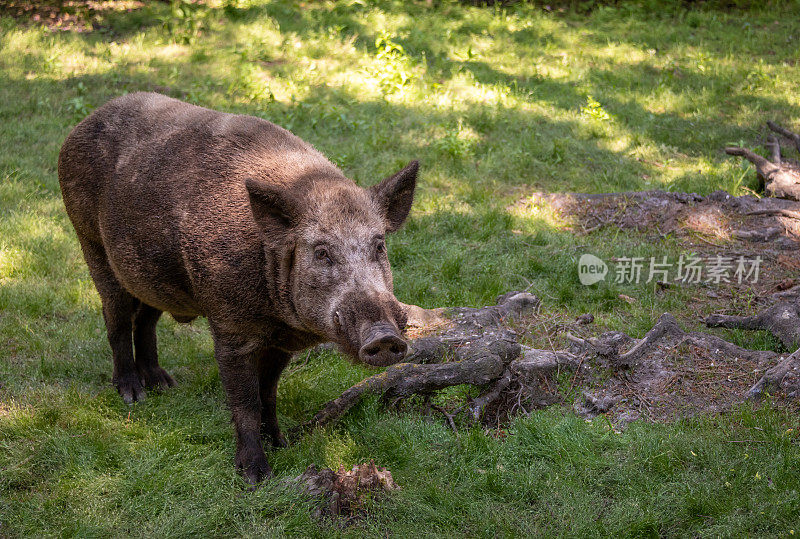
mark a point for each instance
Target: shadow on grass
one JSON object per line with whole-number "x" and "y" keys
{"x": 80, "y": 462}
{"x": 450, "y": 253}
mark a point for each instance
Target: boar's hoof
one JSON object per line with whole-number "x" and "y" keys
{"x": 278, "y": 440}
{"x": 382, "y": 349}
{"x": 256, "y": 471}
{"x": 156, "y": 378}
{"x": 130, "y": 389}
{"x": 273, "y": 434}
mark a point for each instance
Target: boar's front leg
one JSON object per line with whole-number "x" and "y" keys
{"x": 239, "y": 361}
{"x": 272, "y": 364}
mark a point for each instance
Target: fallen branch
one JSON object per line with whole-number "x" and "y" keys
{"x": 490, "y": 396}
{"x": 447, "y": 415}
{"x": 485, "y": 361}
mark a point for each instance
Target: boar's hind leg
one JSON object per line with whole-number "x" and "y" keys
{"x": 271, "y": 366}
{"x": 238, "y": 363}
{"x": 118, "y": 310}
{"x": 144, "y": 343}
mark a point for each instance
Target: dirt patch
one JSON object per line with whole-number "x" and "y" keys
{"x": 667, "y": 374}
{"x": 675, "y": 374}
{"x": 718, "y": 225}
{"x": 718, "y": 220}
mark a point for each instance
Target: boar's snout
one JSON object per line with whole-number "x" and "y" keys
{"x": 382, "y": 346}
{"x": 368, "y": 328}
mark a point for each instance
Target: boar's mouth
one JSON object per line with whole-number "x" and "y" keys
{"x": 370, "y": 341}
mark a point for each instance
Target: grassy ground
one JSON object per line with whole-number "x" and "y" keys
{"x": 497, "y": 104}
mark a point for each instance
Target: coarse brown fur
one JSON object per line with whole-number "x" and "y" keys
{"x": 194, "y": 212}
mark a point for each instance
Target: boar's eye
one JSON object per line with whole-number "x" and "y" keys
{"x": 380, "y": 248}
{"x": 321, "y": 254}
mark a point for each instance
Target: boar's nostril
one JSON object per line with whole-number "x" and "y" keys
{"x": 372, "y": 350}
{"x": 384, "y": 349}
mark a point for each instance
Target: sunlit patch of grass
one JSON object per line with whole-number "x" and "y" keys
{"x": 10, "y": 261}
{"x": 495, "y": 102}
{"x": 535, "y": 214}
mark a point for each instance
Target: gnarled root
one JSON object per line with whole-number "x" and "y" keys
{"x": 491, "y": 361}
{"x": 781, "y": 177}
{"x": 664, "y": 336}
{"x": 794, "y": 137}
{"x": 477, "y": 348}
{"x": 782, "y": 320}
{"x": 773, "y": 378}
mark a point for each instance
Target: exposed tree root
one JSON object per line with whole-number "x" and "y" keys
{"x": 780, "y": 177}
{"x": 775, "y": 376}
{"x": 794, "y": 137}
{"x": 477, "y": 348}
{"x": 665, "y": 335}
{"x": 608, "y": 349}
{"x": 782, "y": 320}
{"x": 669, "y": 372}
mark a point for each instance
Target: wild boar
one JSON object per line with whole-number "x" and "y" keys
{"x": 194, "y": 212}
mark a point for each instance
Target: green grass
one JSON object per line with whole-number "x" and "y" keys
{"x": 497, "y": 103}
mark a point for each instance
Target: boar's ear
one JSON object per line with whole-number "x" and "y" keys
{"x": 395, "y": 194}
{"x": 272, "y": 206}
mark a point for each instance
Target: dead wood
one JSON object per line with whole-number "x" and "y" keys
{"x": 478, "y": 363}
{"x": 794, "y": 137}
{"x": 782, "y": 320}
{"x": 774, "y": 147}
{"x": 775, "y": 376}
{"x": 341, "y": 494}
{"x": 780, "y": 177}
{"x": 477, "y": 348}
{"x": 666, "y": 335}
{"x": 491, "y": 395}
{"x": 779, "y": 180}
